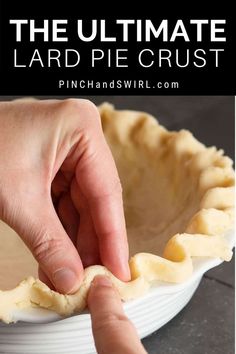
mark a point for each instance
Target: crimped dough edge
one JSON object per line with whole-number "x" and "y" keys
{"x": 203, "y": 237}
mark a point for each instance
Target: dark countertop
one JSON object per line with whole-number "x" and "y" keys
{"x": 206, "y": 324}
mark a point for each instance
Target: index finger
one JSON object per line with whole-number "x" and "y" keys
{"x": 113, "y": 332}
{"x": 98, "y": 178}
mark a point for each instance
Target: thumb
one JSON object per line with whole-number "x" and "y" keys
{"x": 43, "y": 233}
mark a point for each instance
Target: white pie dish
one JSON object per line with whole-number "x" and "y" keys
{"x": 44, "y": 332}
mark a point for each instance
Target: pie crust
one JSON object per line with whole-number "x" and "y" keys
{"x": 178, "y": 200}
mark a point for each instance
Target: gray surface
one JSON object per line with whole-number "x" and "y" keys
{"x": 206, "y": 325}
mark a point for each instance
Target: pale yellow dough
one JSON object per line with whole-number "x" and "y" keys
{"x": 178, "y": 200}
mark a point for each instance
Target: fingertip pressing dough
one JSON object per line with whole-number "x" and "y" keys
{"x": 178, "y": 200}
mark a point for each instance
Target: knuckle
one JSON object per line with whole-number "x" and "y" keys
{"x": 108, "y": 234}
{"x": 69, "y": 104}
{"x": 89, "y": 106}
{"x": 114, "y": 190}
{"x": 82, "y": 109}
{"x": 112, "y": 193}
{"x": 44, "y": 247}
{"x": 80, "y": 118}
{"x": 111, "y": 321}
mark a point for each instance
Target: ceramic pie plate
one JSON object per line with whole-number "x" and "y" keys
{"x": 40, "y": 331}
{"x": 194, "y": 190}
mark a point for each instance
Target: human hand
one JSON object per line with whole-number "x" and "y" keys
{"x": 113, "y": 332}
{"x": 56, "y": 169}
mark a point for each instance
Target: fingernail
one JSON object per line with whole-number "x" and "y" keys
{"x": 65, "y": 281}
{"x": 102, "y": 280}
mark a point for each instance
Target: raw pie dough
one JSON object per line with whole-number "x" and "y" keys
{"x": 178, "y": 200}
